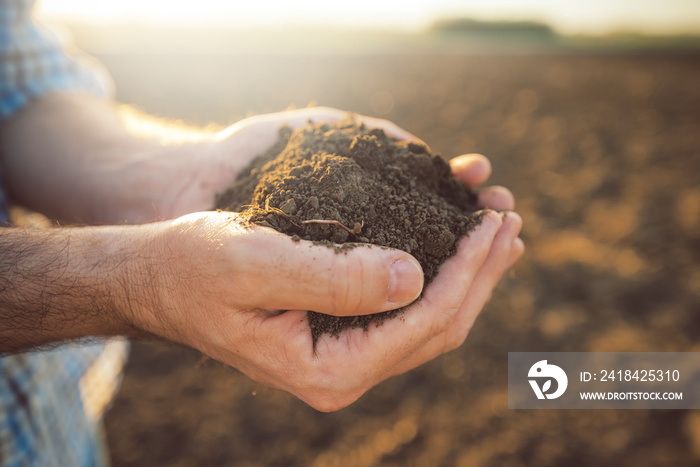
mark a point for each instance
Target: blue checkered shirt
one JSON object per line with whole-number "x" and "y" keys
{"x": 51, "y": 402}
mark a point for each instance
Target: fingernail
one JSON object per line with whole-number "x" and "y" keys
{"x": 405, "y": 281}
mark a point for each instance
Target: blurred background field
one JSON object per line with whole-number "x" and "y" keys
{"x": 597, "y": 135}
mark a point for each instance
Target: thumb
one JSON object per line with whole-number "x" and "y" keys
{"x": 299, "y": 275}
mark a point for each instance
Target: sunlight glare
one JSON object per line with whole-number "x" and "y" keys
{"x": 572, "y": 16}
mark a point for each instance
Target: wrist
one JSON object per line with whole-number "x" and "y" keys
{"x": 114, "y": 262}
{"x": 147, "y": 287}
{"x": 134, "y": 277}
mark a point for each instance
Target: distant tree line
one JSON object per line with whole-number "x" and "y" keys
{"x": 497, "y": 30}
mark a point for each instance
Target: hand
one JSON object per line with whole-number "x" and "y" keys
{"x": 222, "y": 288}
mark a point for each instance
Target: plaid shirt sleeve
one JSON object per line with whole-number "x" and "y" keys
{"x": 51, "y": 402}
{"x": 33, "y": 61}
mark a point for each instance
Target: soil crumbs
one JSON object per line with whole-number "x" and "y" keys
{"x": 347, "y": 184}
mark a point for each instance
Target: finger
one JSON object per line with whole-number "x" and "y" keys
{"x": 471, "y": 169}
{"x": 496, "y": 197}
{"x": 516, "y": 251}
{"x": 279, "y": 273}
{"x": 487, "y": 278}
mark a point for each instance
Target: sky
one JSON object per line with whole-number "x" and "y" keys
{"x": 567, "y": 16}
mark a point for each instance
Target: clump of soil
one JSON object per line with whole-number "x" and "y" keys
{"x": 372, "y": 189}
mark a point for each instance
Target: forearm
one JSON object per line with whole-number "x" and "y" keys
{"x": 61, "y": 284}
{"x": 77, "y": 159}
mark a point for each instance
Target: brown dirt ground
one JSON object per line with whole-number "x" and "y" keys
{"x": 602, "y": 153}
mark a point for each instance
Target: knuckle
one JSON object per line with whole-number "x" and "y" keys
{"x": 351, "y": 284}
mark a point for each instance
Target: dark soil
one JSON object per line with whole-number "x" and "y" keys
{"x": 372, "y": 189}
